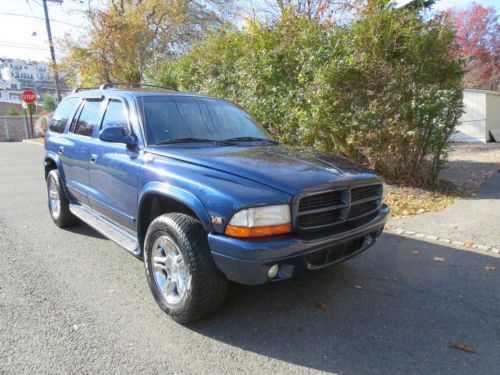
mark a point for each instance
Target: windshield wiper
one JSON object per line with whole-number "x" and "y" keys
{"x": 250, "y": 139}
{"x": 186, "y": 140}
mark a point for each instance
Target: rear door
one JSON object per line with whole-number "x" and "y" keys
{"x": 75, "y": 155}
{"x": 114, "y": 170}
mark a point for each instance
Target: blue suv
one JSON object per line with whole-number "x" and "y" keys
{"x": 200, "y": 192}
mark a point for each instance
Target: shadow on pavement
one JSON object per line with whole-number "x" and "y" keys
{"x": 393, "y": 309}
{"x": 489, "y": 189}
{"x": 85, "y": 230}
{"x": 467, "y": 173}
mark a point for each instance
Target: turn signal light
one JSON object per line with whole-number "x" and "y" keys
{"x": 262, "y": 231}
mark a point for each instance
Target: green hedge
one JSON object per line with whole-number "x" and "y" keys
{"x": 384, "y": 91}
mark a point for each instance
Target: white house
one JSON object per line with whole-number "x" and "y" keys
{"x": 481, "y": 119}
{"x": 17, "y": 75}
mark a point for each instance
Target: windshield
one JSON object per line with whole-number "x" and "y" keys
{"x": 178, "y": 119}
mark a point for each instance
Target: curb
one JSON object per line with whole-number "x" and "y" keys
{"x": 29, "y": 141}
{"x": 468, "y": 245}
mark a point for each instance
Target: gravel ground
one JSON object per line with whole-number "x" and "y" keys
{"x": 73, "y": 302}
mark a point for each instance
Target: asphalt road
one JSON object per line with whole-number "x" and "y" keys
{"x": 74, "y": 302}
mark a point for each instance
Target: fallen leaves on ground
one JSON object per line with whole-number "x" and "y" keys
{"x": 439, "y": 259}
{"x": 415, "y": 252}
{"x": 320, "y": 306}
{"x": 357, "y": 286}
{"x": 469, "y": 244}
{"x": 490, "y": 268}
{"x": 464, "y": 347}
{"x": 408, "y": 199}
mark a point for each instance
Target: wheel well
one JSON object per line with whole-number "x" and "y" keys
{"x": 49, "y": 166}
{"x": 155, "y": 205}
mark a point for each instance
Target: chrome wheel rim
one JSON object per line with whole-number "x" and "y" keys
{"x": 54, "y": 200}
{"x": 170, "y": 271}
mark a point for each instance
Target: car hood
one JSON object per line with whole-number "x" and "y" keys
{"x": 288, "y": 169}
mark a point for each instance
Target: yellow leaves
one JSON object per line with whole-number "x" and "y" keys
{"x": 411, "y": 200}
{"x": 128, "y": 36}
{"x": 464, "y": 347}
{"x": 320, "y": 305}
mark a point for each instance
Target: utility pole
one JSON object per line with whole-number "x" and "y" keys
{"x": 51, "y": 46}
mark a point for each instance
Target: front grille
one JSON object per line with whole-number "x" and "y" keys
{"x": 320, "y": 218}
{"x": 321, "y": 200}
{"x": 364, "y": 192}
{"x": 336, "y": 207}
{"x": 363, "y": 209}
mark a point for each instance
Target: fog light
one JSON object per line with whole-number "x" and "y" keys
{"x": 367, "y": 241}
{"x": 273, "y": 271}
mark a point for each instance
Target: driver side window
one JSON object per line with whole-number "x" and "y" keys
{"x": 116, "y": 115}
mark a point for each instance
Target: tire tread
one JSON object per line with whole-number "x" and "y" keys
{"x": 209, "y": 286}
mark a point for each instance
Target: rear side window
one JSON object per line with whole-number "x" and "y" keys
{"x": 116, "y": 115}
{"x": 61, "y": 115}
{"x": 88, "y": 118}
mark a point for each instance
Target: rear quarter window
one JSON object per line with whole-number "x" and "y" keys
{"x": 62, "y": 114}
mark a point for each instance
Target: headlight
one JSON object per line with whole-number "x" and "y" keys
{"x": 260, "y": 222}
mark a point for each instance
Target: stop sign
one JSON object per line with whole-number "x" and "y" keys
{"x": 29, "y": 96}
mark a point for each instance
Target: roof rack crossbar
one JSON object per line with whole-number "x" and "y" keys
{"x": 104, "y": 86}
{"x": 77, "y": 89}
{"x": 109, "y": 85}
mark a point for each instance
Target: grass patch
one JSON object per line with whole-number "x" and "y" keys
{"x": 408, "y": 200}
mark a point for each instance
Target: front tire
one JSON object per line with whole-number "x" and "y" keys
{"x": 58, "y": 201}
{"x": 180, "y": 270}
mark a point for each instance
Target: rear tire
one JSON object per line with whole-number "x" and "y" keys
{"x": 180, "y": 270}
{"x": 58, "y": 201}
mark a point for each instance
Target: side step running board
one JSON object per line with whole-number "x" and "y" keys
{"x": 107, "y": 229}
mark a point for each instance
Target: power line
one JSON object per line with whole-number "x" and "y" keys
{"x": 40, "y": 18}
{"x": 24, "y": 47}
{"x": 22, "y": 44}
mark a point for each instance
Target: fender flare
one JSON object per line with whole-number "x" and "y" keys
{"x": 179, "y": 195}
{"x": 50, "y": 155}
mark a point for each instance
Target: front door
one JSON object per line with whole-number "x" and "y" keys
{"x": 114, "y": 170}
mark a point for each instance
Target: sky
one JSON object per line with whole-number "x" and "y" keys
{"x": 23, "y": 34}
{"x": 22, "y": 26}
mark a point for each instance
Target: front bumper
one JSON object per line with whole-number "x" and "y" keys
{"x": 248, "y": 261}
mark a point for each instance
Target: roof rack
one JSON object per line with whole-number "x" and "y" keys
{"x": 105, "y": 86}
{"x": 77, "y": 89}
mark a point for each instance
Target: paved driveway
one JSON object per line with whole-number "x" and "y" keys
{"x": 475, "y": 219}
{"x": 73, "y": 302}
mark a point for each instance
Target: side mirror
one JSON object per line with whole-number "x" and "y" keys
{"x": 117, "y": 134}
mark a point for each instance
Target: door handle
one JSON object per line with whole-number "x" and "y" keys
{"x": 93, "y": 158}
{"x": 60, "y": 151}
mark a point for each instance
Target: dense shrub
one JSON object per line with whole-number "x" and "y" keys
{"x": 384, "y": 91}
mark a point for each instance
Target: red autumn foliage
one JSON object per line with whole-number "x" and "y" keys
{"x": 478, "y": 41}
